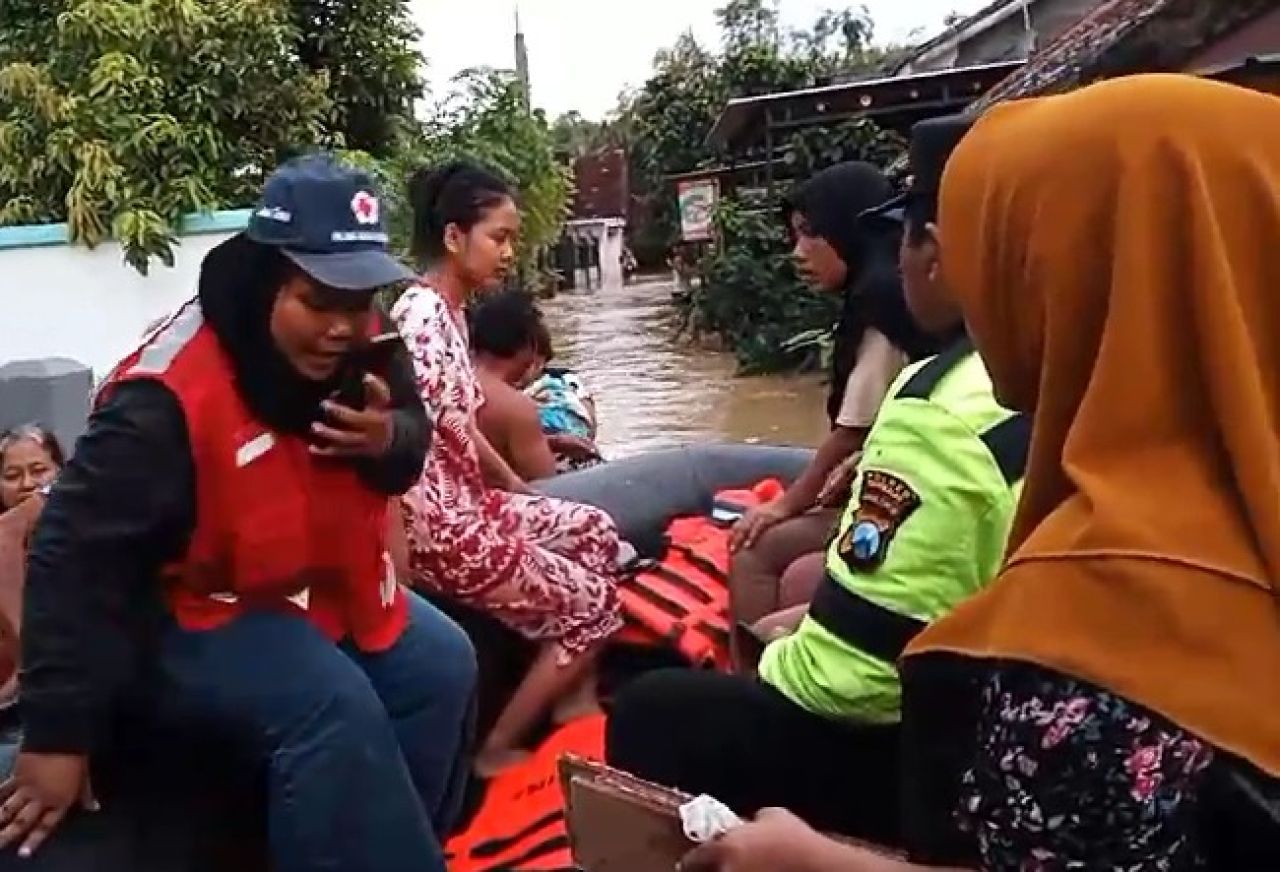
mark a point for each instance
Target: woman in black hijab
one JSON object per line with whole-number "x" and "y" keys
{"x": 835, "y": 252}
{"x": 222, "y": 534}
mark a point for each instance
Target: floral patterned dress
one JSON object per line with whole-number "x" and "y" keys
{"x": 546, "y": 568}
{"x": 1072, "y": 777}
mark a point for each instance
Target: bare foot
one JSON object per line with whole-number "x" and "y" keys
{"x": 491, "y": 761}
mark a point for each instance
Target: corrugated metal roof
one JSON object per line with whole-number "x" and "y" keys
{"x": 741, "y": 113}
{"x": 1120, "y": 37}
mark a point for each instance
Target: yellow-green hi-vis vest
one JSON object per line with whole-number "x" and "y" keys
{"x": 927, "y": 526}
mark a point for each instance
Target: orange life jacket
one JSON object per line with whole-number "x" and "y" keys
{"x": 521, "y": 825}
{"x": 682, "y": 601}
{"x": 275, "y": 526}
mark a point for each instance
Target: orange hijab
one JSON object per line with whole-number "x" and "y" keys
{"x": 1117, "y": 255}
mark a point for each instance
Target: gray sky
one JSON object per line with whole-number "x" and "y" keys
{"x": 583, "y": 53}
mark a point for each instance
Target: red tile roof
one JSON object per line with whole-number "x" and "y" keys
{"x": 1120, "y": 37}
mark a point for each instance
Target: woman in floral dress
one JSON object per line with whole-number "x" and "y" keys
{"x": 476, "y": 533}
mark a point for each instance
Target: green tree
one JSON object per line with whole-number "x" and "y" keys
{"x": 368, "y": 49}
{"x": 141, "y": 112}
{"x": 747, "y": 292}
{"x": 575, "y": 136}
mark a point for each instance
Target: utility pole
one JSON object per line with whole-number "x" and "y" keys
{"x": 522, "y": 62}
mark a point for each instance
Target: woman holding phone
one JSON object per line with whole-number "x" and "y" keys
{"x": 223, "y": 489}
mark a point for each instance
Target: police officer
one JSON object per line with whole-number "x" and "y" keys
{"x": 925, "y": 528}
{"x": 221, "y": 480}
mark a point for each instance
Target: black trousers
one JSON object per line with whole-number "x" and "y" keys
{"x": 747, "y": 745}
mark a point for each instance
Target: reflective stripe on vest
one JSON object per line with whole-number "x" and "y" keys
{"x": 869, "y": 626}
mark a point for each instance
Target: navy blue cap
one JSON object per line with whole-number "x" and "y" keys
{"x": 327, "y": 218}
{"x": 932, "y": 142}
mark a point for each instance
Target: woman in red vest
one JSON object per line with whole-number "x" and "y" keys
{"x": 219, "y": 464}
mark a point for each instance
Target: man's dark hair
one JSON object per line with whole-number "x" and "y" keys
{"x": 456, "y": 193}
{"x": 505, "y": 323}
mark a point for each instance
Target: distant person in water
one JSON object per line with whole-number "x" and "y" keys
{"x": 546, "y": 568}
{"x": 504, "y": 327}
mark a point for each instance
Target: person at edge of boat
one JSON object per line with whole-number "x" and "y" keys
{"x": 477, "y": 534}
{"x": 218, "y": 539}
{"x": 1130, "y": 714}
{"x": 566, "y": 407}
{"x": 503, "y": 329}
{"x": 818, "y": 730}
{"x": 874, "y": 338}
{"x": 30, "y": 459}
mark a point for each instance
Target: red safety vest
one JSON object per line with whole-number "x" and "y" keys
{"x": 682, "y": 600}
{"x": 275, "y": 526}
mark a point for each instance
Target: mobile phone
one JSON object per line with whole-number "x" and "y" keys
{"x": 370, "y": 358}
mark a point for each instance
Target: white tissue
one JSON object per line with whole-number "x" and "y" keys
{"x": 705, "y": 818}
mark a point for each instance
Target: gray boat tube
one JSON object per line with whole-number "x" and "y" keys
{"x": 644, "y": 493}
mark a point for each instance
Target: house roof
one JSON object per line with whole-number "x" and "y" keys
{"x": 1120, "y": 37}
{"x": 931, "y": 93}
{"x": 988, "y": 16}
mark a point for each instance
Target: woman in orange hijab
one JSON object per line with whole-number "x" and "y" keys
{"x": 1116, "y": 252}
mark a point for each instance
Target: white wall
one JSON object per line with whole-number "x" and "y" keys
{"x": 60, "y": 300}
{"x": 609, "y": 235}
{"x": 611, "y": 257}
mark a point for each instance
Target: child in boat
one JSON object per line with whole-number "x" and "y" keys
{"x": 503, "y": 327}
{"x": 933, "y": 500}
{"x": 565, "y": 406}
{"x": 546, "y": 568}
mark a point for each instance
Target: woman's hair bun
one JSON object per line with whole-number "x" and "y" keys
{"x": 458, "y": 192}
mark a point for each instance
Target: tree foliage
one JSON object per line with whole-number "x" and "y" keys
{"x": 667, "y": 120}
{"x": 120, "y": 116}
{"x": 368, "y": 49}
{"x": 140, "y": 112}
{"x": 747, "y": 292}
{"x": 484, "y": 119}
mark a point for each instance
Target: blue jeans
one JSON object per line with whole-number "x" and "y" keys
{"x": 365, "y": 753}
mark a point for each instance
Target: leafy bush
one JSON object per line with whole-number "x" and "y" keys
{"x": 144, "y": 111}
{"x": 483, "y": 119}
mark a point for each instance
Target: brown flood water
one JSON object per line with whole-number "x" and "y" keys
{"x": 655, "y": 391}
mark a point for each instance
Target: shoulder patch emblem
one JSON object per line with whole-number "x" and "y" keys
{"x": 884, "y": 503}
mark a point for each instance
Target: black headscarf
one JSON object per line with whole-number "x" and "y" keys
{"x": 239, "y": 281}
{"x": 830, "y": 202}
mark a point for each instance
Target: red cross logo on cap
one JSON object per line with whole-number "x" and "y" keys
{"x": 365, "y": 207}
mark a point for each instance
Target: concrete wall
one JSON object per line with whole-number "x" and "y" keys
{"x": 60, "y": 300}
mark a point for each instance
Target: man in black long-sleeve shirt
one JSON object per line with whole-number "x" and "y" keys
{"x": 278, "y": 321}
